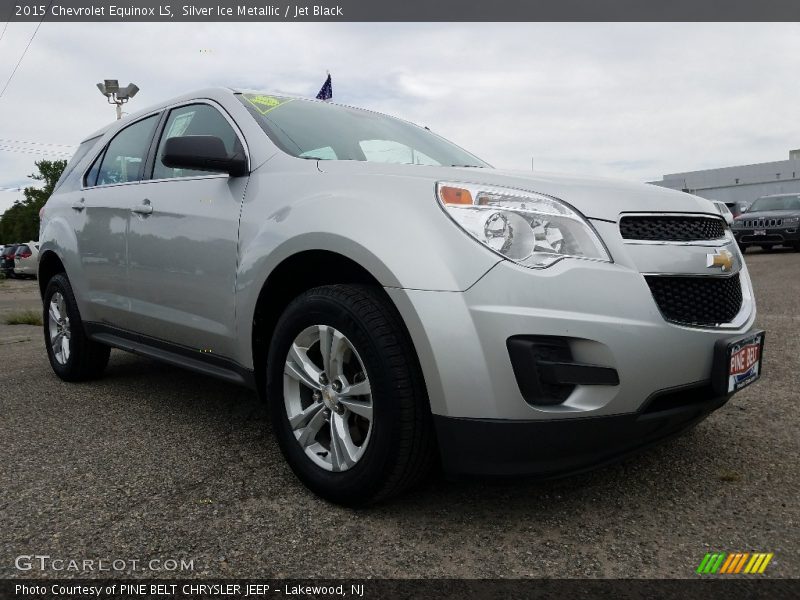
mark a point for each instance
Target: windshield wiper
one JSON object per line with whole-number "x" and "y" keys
{"x": 472, "y": 166}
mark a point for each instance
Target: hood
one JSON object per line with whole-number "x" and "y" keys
{"x": 768, "y": 214}
{"x": 596, "y": 198}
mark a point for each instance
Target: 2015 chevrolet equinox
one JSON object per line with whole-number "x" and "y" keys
{"x": 393, "y": 297}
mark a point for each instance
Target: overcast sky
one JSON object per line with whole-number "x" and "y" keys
{"x": 633, "y": 101}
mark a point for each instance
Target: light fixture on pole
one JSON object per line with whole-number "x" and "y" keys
{"x": 117, "y": 95}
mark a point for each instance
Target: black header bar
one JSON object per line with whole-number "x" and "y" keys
{"x": 398, "y": 10}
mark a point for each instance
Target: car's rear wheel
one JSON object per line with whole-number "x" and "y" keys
{"x": 73, "y": 356}
{"x": 348, "y": 406}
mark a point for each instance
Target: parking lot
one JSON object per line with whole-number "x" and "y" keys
{"x": 156, "y": 462}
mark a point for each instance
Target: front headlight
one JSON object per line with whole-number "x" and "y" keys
{"x": 792, "y": 221}
{"x": 527, "y": 228}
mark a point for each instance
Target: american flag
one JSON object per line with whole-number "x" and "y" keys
{"x": 326, "y": 93}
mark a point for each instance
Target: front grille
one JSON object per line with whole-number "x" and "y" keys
{"x": 747, "y": 223}
{"x": 664, "y": 228}
{"x": 700, "y": 301}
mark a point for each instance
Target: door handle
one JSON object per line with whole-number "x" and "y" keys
{"x": 145, "y": 208}
{"x": 79, "y": 204}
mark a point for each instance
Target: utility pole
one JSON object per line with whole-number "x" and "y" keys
{"x": 117, "y": 95}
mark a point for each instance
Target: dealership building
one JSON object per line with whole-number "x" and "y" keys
{"x": 739, "y": 184}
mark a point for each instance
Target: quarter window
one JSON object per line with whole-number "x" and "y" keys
{"x": 90, "y": 179}
{"x": 195, "y": 119}
{"x": 124, "y": 159}
{"x": 82, "y": 151}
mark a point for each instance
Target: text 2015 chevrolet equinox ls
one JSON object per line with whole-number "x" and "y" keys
{"x": 393, "y": 297}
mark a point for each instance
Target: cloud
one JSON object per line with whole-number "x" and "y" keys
{"x": 633, "y": 101}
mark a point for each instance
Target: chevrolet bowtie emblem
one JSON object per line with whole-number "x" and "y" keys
{"x": 720, "y": 258}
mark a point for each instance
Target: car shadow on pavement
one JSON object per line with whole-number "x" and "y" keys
{"x": 217, "y": 407}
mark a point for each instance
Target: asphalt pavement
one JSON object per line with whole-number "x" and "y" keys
{"x": 155, "y": 463}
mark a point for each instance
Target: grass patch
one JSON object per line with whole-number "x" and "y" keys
{"x": 24, "y": 317}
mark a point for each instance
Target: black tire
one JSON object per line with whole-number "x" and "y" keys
{"x": 742, "y": 248}
{"x": 766, "y": 247}
{"x": 401, "y": 447}
{"x": 87, "y": 359}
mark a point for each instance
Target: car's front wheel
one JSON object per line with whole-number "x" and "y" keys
{"x": 348, "y": 405}
{"x": 73, "y": 356}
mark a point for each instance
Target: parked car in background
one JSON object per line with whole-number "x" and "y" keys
{"x": 391, "y": 295}
{"x": 724, "y": 211}
{"x": 737, "y": 208}
{"x": 770, "y": 221}
{"x": 7, "y": 260}
{"x": 26, "y": 260}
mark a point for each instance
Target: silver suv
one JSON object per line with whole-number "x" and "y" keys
{"x": 398, "y": 301}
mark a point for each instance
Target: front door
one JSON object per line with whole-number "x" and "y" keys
{"x": 183, "y": 243}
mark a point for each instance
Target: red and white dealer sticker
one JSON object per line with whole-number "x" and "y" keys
{"x": 744, "y": 362}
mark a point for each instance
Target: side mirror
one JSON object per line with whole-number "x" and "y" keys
{"x": 202, "y": 152}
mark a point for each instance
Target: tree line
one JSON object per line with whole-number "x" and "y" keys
{"x": 20, "y": 223}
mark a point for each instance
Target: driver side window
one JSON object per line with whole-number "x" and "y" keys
{"x": 195, "y": 119}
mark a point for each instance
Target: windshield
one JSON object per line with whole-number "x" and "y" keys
{"x": 776, "y": 203}
{"x": 323, "y": 131}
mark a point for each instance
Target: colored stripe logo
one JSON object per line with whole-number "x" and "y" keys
{"x": 723, "y": 563}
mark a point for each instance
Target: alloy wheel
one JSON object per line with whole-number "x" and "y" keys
{"x": 328, "y": 398}
{"x": 58, "y": 328}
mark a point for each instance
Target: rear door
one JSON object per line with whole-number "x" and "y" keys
{"x": 183, "y": 243}
{"x": 102, "y": 210}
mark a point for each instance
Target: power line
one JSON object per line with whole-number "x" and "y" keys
{"x": 24, "y": 52}
{"x": 34, "y": 151}
{"x": 6, "y": 140}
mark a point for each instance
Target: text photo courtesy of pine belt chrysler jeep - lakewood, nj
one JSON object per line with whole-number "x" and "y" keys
{"x": 398, "y": 302}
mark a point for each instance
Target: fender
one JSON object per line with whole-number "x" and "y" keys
{"x": 418, "y": 248}
{"x": 58, "y": 237}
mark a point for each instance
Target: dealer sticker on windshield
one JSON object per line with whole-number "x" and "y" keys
{"x": 744, "y": 361}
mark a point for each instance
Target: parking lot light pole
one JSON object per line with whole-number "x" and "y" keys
{"x": 117, "y": 95}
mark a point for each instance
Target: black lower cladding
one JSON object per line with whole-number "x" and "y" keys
{"x": 558, "y": 447}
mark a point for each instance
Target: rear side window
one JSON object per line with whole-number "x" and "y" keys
{"x": 195, "y": 119}
{"x": 124, "y": 159}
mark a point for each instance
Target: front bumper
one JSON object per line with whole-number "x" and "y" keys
{"x": 607, "y": 317}
{"x": 564, "y": 446}
{"x": 605, "y": 312}
{"x": 777, "y": 237}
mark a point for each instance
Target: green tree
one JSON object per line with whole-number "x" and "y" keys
{"x": 20, "y": 223}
